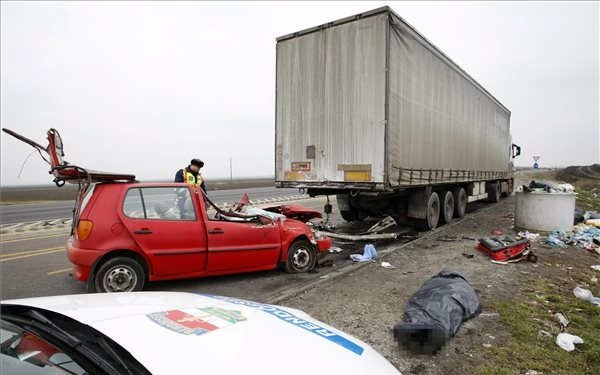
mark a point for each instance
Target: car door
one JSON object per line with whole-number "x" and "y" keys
{"x": 242, "y": 245}
{"x": 164, "y": 223}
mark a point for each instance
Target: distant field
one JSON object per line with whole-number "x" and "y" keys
{"x": 68, "y": 192}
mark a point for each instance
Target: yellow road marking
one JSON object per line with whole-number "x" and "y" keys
{"x": 34, "y": 238}
{"x": 29, "y": 254}
{"x": 58, "y": 271}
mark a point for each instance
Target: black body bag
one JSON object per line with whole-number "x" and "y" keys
{"x": 435, "y": 312}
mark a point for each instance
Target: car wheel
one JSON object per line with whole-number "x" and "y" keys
{"x": 301, "y": 257}
{"x": 119, "y": 275}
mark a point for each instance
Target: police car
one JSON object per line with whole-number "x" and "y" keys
{"x": 174, "y": 333}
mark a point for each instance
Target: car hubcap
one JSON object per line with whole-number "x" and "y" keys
{"x": 301, "y": 258}
{"x": 120, "y": 279}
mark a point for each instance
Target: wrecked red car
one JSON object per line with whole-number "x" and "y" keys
{"x": 126, "y": 232}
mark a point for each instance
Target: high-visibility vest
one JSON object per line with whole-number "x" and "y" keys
{"x": 190, "y": 179}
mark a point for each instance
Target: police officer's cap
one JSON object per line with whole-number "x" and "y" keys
{"x": 197, "y": 162}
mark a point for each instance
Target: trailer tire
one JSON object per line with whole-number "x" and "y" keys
{"x": 460, "y": 202}
{"x": 509, "y": 189}
{"x": 350, "y": 215}
{"x": 433, "y": 213}
{"x": 494, "y": 192}
{"x": 447, "y": 206}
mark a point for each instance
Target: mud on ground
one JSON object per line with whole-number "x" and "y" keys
{"x": 368, "y": 302}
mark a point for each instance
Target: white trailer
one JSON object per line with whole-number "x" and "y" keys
{"x": 369, "y": 110}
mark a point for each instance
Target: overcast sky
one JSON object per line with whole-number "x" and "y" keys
{"x": 143, "y": 87}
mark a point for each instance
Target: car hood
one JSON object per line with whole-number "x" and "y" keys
{"x": 172, "y": 332}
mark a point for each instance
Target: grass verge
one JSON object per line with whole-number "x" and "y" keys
{"x": 533, "y": 328}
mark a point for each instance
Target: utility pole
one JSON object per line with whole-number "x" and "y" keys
{"x": 230, "y": 170}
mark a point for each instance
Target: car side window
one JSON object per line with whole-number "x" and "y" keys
{"x": 159, "y": 203}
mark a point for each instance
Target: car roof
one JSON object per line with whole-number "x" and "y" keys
{"x": 175, "y": 332}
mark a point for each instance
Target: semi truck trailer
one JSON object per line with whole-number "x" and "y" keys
{"x": 368, "y": 110}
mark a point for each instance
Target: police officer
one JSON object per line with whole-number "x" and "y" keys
{"x": 191, "y": 174}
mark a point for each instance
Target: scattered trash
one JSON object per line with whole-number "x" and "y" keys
{"x": 504, "y": 249}
{"x": 594, "y": 222}
{"x": 561, "y": 318}
{"x": 549, "y": 187}
{"x": 335, "y": 250}
{"x": 554, "y": 242}
{"x": 586, "y": 294}
{"x": 467, "y": 255}
{"x": 487, "y": 345}
{"x": 596, "y": 267}
{"x": 531, "y": 372}
{"x": 527, "y": 235}
{"x": 543, "y": 333}
{"x": 447, "y": 238}
{"x": 387, "y": 265}
{"x": 435, "y": 312}
{"x": 368, "y": 254}
{"x": 496, "y": 233}
{"x": 384, "y": 223}
{"x": 594, "y": 279}
{"x": 568, "y": 341}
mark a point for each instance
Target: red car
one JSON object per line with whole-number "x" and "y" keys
{"x": 126, "y": 232}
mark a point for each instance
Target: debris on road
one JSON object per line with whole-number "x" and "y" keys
{"x": 368, "y": 254}
{"x": 505, "y": 249}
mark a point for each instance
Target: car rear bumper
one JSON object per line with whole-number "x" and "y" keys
{"x": 82, "y": 260}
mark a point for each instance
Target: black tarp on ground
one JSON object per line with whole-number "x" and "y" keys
{"x": 435, "y": 312}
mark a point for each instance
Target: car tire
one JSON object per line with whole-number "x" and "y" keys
{"x": 119, "y": 275}
{"x": 301, "y": 257}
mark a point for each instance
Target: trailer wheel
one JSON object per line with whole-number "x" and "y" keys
{"x": 447, "y": 206}
{"x": 460, "y": 202}
{"x": 350, "y": 215}
{"x": 509, "y": 191}
{"x": 494, "y": 191}
{"x": 433, "y": 213}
